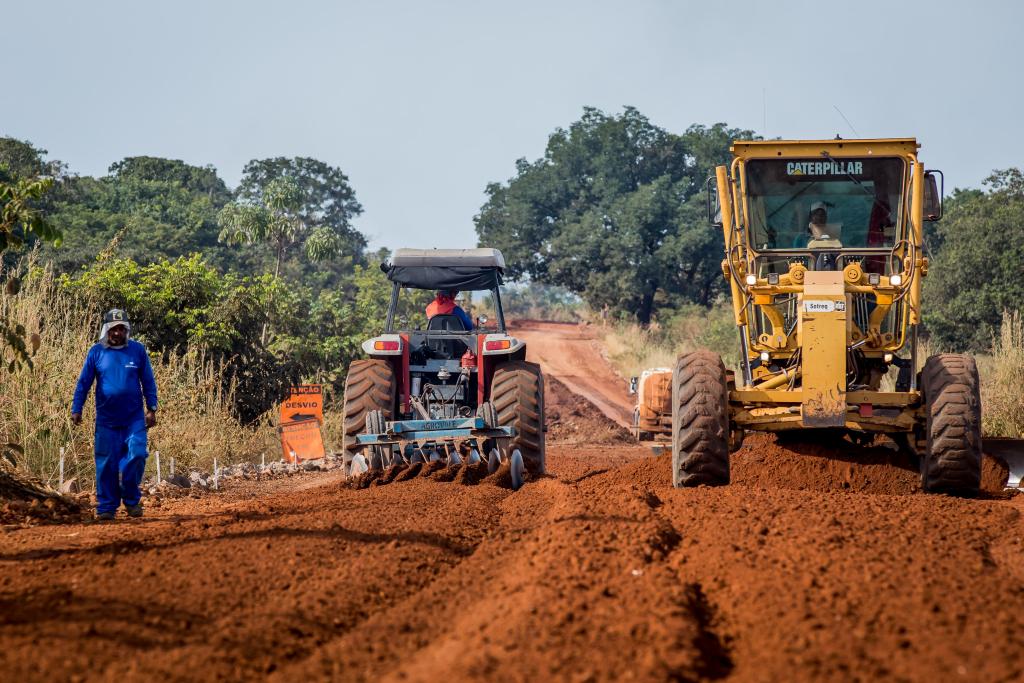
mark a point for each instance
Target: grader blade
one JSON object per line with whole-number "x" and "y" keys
{"x": 1010, "y": 451}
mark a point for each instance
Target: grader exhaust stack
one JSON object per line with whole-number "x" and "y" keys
{"x": 824, "y": 258}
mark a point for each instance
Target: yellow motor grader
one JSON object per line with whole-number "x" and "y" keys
{"x": 824, "y": 256}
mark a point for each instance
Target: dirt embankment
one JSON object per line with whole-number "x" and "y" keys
{"x": 819, "y": 562}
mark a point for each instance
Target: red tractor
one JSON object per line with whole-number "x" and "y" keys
{"x": 444, "y": 392}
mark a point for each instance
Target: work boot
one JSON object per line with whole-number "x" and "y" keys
{"x": 134, "y": 510}
{"x": 105, "y": 516}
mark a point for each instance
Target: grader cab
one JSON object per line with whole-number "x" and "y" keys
{"x": 824, "y": 256}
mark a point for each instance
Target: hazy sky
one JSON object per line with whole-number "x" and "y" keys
{"x": 423, "y": 103}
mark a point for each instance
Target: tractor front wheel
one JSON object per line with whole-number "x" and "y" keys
{"x": 517, "y": 392}
{"x": 700, "y": 420}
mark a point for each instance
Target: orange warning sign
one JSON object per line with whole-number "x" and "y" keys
{"x": 304, "y": 402}
{"x": 301, "y": 440}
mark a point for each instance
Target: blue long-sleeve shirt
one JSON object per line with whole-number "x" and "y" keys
{"x": 123, "y": 378}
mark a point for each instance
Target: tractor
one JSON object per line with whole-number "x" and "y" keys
{"x": 824, "y": 258}
{"x": 440, "y": 391}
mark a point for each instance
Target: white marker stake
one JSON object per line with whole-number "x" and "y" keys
{"x": 263, "y": 460}
{"x": 158, "y": 467}
{"x": 61, "y": 489}
{"x": 216, "y": 476}
{"x": 172, "y": 465}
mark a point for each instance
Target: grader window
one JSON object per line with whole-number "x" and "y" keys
{"x": 798, "y": 203}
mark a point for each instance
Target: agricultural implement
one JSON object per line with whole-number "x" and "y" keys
{"x": 824, "y": 259}
{"x": 439, "y": 391}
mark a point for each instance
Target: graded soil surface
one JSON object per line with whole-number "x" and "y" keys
{"x": 821, "y": 561}
{"x": 570, "y": 353}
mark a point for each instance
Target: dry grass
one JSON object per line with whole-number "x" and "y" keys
{"x": 195, "y": 424}
{"x": 1002, "y": 380}
{"x": 633, "y": 348}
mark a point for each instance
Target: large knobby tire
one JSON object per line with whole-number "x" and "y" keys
{"x": 700, "y": 420}
{"x": 370, "y": 385}
{"x": 952, "y": 457}
{"x": 517, "y": 392}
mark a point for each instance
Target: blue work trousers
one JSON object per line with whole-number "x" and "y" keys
{"x": 120, "y": 461}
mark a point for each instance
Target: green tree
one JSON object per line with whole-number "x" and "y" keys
{"x": 20, "y": 218}
{"x": 975, "y": 271}
{"x": 21, "y": 159}
{"x": 326, "y": 197}
{"x": 169, "y": 208}
{"x": 613, "y": 212}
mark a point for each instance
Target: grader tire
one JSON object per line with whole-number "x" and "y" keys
{"x": 517, "y": 392}
{"x": 369, "y": 386}
{"x": 700, "y": 420}
{"x": 952, "y": 457}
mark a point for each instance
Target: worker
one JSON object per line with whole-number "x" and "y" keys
{"x": 444, "y": 304}
{"x": 123, "y": 375}
{"x": 817, "y": 228}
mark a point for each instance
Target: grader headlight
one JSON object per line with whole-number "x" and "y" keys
{"x": 896, "y": 280}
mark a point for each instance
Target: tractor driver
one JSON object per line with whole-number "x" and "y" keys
{"x": 444, "y": 304}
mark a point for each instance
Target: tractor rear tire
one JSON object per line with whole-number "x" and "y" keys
{"x": 952, "y": 457}
{"x": 517, "y": 392}
{"x": 700, "y": 420}
{"x": 370, "y": 385}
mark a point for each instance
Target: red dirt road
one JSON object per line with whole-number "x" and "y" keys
{"x": 569, "y": 352}
{"x": 805, "y": 568}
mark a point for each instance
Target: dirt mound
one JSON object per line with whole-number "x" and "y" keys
{"x": 826, "y": 464}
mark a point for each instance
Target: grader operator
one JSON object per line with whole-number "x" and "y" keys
{"x": 824, "y": 256}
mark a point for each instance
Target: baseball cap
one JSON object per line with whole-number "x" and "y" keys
{"x": 819, "y": 205}
{"x": 115, "y": 316}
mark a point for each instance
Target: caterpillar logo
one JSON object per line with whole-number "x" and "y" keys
{"x": 825, "y": 168}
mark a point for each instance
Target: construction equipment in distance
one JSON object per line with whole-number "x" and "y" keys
{"x": 444, "y": 392}
{"x": 824, "y": 257}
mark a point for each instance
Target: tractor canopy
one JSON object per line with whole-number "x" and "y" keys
{"x": 457, "y": 269}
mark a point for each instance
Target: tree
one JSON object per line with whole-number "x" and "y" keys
{"x": 613, "y": 212}
{"x": 21, "y": 159}
{"x": 169, "y": 207}
{"x": 975, "y": 271}
{"x": 21, "y": 218}
{"x": 326, "y": 198}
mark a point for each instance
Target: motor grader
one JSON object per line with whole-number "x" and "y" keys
{"x": 824, "y": 259}
{"x": 440, "y": 391}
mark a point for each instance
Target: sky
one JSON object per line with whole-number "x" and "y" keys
{"x": 422, "y": 104}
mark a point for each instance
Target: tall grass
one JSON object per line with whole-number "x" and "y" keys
{"x": 632, "y": 348}
{"x": 195, "y": 424}
{"x": 1002, "y": 380}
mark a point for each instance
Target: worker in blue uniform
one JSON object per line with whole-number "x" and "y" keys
{"x": 123, "y": 375}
